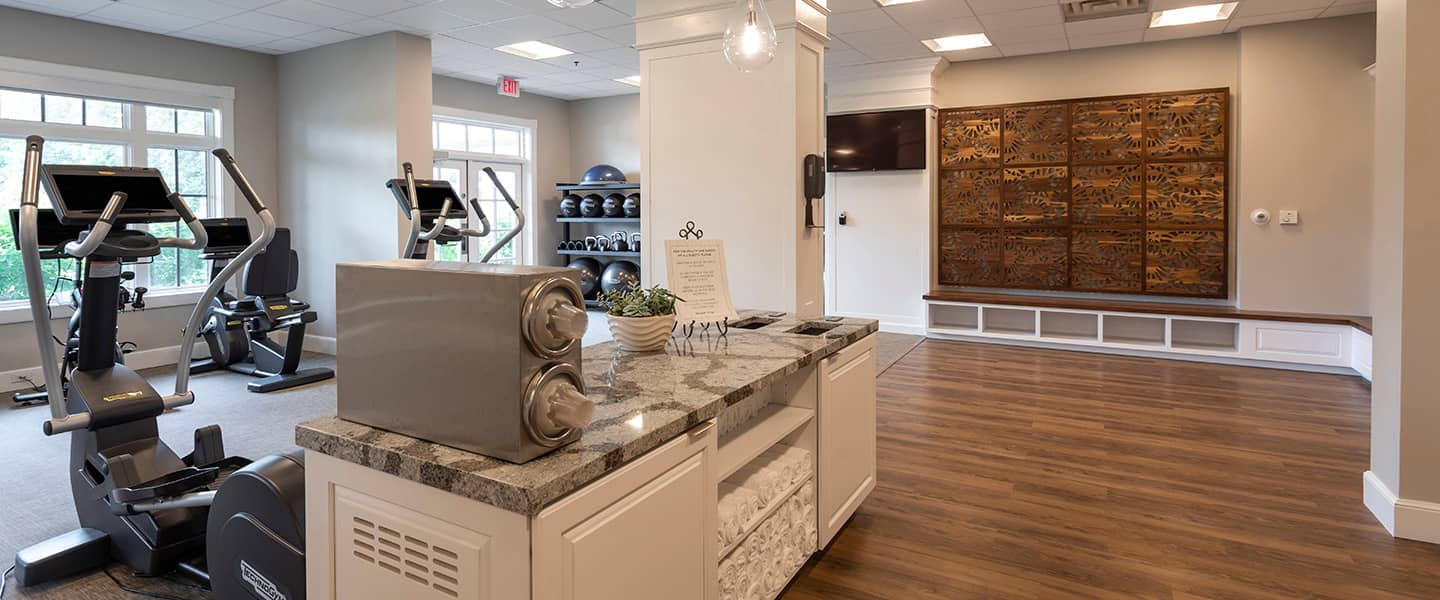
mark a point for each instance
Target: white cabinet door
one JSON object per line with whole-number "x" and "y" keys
{"x": 644, "y": 532}
{"x": 847, "y": 434}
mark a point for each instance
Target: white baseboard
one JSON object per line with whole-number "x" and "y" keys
{"x": 904, "y": 328}
{"x": 320, "y": 343}
{"x": 16, "y": 380}
{"x": 888, "y": 323}
{"x": 1404, "y": 518}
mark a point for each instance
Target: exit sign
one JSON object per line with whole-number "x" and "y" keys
{"x": 509, "y": 86}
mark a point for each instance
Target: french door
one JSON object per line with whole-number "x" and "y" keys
{"x": 469, "y": 178}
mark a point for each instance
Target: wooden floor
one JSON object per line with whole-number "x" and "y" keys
{"x": 1024, "y": 473}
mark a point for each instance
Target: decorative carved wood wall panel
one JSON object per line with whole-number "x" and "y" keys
{"x": 1125, "y": 194}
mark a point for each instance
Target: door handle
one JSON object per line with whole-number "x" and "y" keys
{"x": 844, "y": 217}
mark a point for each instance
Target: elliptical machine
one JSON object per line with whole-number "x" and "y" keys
{"x": 137, "y": 500}
{"x": 435, "y": 202}
{"x": 237, "y": 330}
{"x": 52, "y": 237}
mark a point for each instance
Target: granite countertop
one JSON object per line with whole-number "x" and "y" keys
{"x": 642, "y": 401}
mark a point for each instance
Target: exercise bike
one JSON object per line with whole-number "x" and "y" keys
{"x": 236, "y": 526}
{"x": 52, "y": 237}
{"x": 237, "y": 330}
{"x": 435, "y": 202}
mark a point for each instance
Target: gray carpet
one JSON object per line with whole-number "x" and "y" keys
{"x": 36, "y": 495}
{"x": 891, "y": 347}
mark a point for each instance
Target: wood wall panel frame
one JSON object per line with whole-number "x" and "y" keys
{"x": 1142, "y": 162}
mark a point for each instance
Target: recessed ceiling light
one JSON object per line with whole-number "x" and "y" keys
{"x": 1190, "y": 15}
{"x": 895, "y": 2}
{"x": 534, "y": 50}
{"x": 631, "y": 80}
{"x": 957, "y": 42}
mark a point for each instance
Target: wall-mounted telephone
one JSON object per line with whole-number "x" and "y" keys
{"x": 814, "y": 187}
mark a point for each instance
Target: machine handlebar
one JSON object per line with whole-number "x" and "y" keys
{"x": 82, "y": 247}
{"x": 228, "y": 161}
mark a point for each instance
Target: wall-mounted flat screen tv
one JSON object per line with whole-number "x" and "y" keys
{"x": 876, "y": 141}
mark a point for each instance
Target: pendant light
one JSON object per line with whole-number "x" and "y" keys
{"x": 749, "y": 36}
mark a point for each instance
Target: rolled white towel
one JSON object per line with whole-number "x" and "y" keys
{"x": 766, "y": 482}
{"x": 793, "y": 462}
{"x": 738, "y": 507}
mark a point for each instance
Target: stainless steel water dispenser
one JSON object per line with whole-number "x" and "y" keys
{"x": 480, "y": 357}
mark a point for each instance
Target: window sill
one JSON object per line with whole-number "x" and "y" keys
{"x": 19, "y": 311}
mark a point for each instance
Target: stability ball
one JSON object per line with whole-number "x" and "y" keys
{"x": 589, "y": 269}
{"x": 619, "y": 275}
{"x": 603, "y": 174}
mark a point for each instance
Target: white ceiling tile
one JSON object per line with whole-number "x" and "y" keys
{"x": 623, "y": 35}
{"x": 1118, "y": 38}
{"x": 230, "y": 35}
{"x": 484, "y": 35}
{"x": 203, "y": 10}
{"x": 264, "y": 50}
{"x": 1251, "y": 8}
{"x": 972, "y": 54}
{"x": 534, "y": 7}
{"x": 480, "y": 11}
{"x": 1159, "y": 5}
{"x": 878, "y": 37}
{"x": 844, "y": 6}
{"x": 370, "y": 8}
{"x": 1035, "y": 47}
{"x": 624, "y": 6}
{"x": 581, "y": 42}
{"x": 593, "y": 16}
{"x": 946, "y": 28}
{"x": 836, "y": 43}
{"x": 620, "y": 57}
{"x": 277, "y": 26}
{"x": 288, "y": 45}
{"x": 189, "y": 35}
{"x": 443, "y": 45}
{"x": 135, "y": 17}
{"x": 570, "y": 78}
{"x": 841, "y": 58}
{"x": 426, "y": 19}
{"x": 985, "y": 7}
{"x": 245, "y": 4}
{"x": 605, "y": 72}
{"x": 325, "y": 37}
{"x": 365, "y": 27}
{"x": 1176, "y": 32}
{"x": 306, "y": 11}
{"x": 1027, "y": 34}
{"x": 1236, "y": 23}
{"x": 1349, "y": 9}
{"x": 1016, "y": 19}
{"x": 911, "y": 49}
{"x": 531, "y": 27}
{"x": 1108, "y": 25}
{"x": 864, "y": 20}
{"x": 924, "y": 12}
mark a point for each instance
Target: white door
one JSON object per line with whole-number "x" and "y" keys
{"x": 502, "y": 218}
{"x": 878, "y": 264}
{"x": 847, "y": 435}
{"x": 453, "y": 171}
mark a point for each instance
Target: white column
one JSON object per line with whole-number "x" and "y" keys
{"x": 1402, "y": 487}
{"x": 724, "y": 148}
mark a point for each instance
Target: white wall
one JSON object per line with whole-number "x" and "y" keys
{"x": 552, "y": 147}
{"x": 1306, "y": 142}
{"x": 48, "y": 38}
{"x": 350, "y": 113}
{"x": 605, "y": 130}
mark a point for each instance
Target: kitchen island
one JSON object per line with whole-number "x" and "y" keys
{"x": 633, "y": 508}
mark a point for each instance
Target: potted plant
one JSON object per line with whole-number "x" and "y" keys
{"x": 640, "y": 319}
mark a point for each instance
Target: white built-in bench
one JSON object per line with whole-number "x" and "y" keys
{"x": 1332, "y": 343}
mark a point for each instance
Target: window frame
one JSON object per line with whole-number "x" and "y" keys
{"x": 529, "y": 132}
{"x": 135, "y": 92}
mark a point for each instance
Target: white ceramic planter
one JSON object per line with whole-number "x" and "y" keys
{"x": 642, "y": 334}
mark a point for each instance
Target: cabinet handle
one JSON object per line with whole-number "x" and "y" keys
{"x": 702, "y": 429}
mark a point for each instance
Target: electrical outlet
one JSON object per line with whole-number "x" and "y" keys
{"x": 1289, "y": 217}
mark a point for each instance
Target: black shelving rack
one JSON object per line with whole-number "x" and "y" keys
{"x": 567, "y": 222}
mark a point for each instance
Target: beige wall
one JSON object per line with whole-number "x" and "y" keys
{"x": 552, "y": 147}
{"x": 350, "y": 113}
{"x": 1306, "y": 142}
{"x": 605, "y": 130}
{"x": 35, "y": 36}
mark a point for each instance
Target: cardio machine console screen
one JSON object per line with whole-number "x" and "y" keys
{"x": 80, "y": 193}
{"x": 433, "y": 193}
{"x": 226, "y": 236}
{"x": 50, "y": 233}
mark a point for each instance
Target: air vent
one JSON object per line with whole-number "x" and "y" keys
{"x": 407, "y": 556}
{"x": 1084, "y": 10}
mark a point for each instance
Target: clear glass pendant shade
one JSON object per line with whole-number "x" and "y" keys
{"x": 749, "y": 36}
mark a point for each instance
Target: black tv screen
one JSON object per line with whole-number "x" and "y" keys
{"x": 877, "y": 141}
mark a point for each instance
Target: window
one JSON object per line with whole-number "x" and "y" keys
{"x": 471, "y": 145}
{"x": 104, "y": 131}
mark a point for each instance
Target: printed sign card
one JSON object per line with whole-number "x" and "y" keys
{"x": 697, "y": 273}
